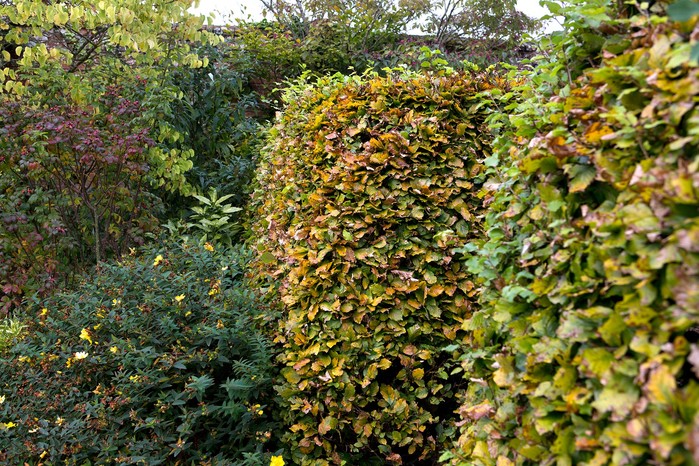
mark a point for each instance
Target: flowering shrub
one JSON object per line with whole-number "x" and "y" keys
{"x": 155, "y": 360}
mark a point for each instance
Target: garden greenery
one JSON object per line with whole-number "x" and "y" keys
{"x": 584, "y": 348}
{"x": 153, "y": 361}
{"x": 482, "y": 267}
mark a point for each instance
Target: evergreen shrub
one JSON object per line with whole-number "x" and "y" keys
{"x": 153, "y": 360}
{"x": 367, "y": 185}
{"x": 587, "y": 349}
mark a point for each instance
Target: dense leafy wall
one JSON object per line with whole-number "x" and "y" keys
{"x": 366, "y": 186}
{"x": 585, "y": 345}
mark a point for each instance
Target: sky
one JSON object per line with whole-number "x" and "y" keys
{"x": 253, "y": 8}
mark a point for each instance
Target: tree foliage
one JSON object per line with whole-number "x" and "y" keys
{"x": 74, "y": 189}
{"x": 75, "y": 35}
{"x": 491, "y": 23}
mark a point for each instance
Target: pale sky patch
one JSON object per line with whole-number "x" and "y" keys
{"x": 226, "y": 11}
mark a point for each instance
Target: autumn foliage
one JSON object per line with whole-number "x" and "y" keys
{"x": 590, "y": 271}
{"x": 367, "y": 186}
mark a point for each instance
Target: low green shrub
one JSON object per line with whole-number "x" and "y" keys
{"x": 153, "y": 360}
{"x": 585, "y": 346}
{"x": 367, "y": 185}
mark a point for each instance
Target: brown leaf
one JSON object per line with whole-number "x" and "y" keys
{"x": 478, "y": 411}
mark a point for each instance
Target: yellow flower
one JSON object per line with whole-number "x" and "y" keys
{"x": 43, "y": 453}
{"x": 2, "y": 399}
{"x": 215, "y": 287}
{"x": 113, "y": 349}
{"x": 44, "y": 311}
{"x": 7, "y": 425}
{"x": 60, "y": 421}
{"x": 277, "y": 461}
{"x": 85, "y": 335}
{"x": 116, "y": 302}
{"x": 208, "y": 246}
{"x": 158, "y": 260}
{"x": 80, "y": 355}
{"x": 179, "y": 298}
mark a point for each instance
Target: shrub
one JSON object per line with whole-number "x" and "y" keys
{"x": 366, "y": 187}
{"x": 270, "y": 54}
{"x": 74, "y": 185}
{"x": 154, "y": 360}
{"x": 211, "y": 115}
{"x": 585, "y": 345}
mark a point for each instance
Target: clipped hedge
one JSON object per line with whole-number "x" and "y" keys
{"x": 152, "y": 361}
{"x": 587, "y": 349}
{"x": 366, "y": 186}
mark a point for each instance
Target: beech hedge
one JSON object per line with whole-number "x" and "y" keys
{"x": 587, "y": 328}
{"x": 366, "y": 187}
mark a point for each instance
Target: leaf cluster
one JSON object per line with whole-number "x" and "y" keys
{"x": 73, "y": 182}
{"x": 366, "y": 187}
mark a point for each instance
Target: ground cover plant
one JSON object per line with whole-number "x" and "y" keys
{"x": 366, "y": 186}
{"x": 154, "y": 360}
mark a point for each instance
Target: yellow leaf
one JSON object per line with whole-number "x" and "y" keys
{"x": 596, "y": 132}
{"x": 661, "y": 385}
{"x": 500, "y": 377}
{"x": 384, "y": 363}
{"x": 504, "y": 461}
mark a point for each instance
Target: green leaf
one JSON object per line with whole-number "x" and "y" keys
{"x": 683, "y": 10}
{"x": 267, "y": 258}
{"x": 581, "y": 177}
